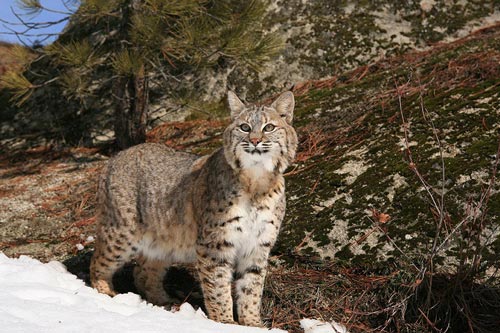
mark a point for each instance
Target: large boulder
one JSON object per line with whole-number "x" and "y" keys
{"x": 325, "y": 38}
{"x": 398, "y": 158}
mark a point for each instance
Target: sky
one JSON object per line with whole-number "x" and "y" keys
{"x": 38, "y": 297}
{"x": 8, "y": 7}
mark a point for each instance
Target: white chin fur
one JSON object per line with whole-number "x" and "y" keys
{"x": 257, "y": 162}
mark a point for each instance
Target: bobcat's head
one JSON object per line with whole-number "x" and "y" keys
{"x": 261, "y": 137}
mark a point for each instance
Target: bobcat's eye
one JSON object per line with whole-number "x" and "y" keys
{"x": 269, "y": 128}
{"x": 245, "y": 128}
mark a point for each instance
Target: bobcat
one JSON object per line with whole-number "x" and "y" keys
{"x": 222, "y": 212}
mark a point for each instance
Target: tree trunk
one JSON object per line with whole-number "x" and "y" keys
{"x": 131, "y": 94}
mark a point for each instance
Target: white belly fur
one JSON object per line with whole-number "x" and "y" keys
{"x": 171, "y": 252}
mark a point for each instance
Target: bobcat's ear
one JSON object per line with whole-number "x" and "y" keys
{"x": 284, "y": 106}
{"x": 235, "y": 105}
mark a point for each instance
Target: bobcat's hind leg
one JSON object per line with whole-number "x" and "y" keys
{"x": 148, "y": 277}
{"x": 111, "y": 253}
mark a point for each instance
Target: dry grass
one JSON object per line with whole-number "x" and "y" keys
{"x": 200, "y": 135}
{"x": 9, "y": 59}
{"x": 358, "y": 299}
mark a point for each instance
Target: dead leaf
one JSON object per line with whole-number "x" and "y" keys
{"x": 383, "y": 218}
{"x": 380, "y": 217}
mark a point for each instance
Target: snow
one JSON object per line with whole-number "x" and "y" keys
{"x": 38, "y": 297}
{"x": 316, "y": 326}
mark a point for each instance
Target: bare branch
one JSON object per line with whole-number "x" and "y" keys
{"x": 29, "y": 26}
{"x": 37, "y": 7}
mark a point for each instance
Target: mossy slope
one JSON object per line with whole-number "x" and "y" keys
{"x": 354, "y": 164}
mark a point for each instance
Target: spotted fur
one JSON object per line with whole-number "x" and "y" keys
{"x": 222, "y": 212}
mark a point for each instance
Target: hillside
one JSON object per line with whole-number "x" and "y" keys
{"x": 392, "y": 199}
{"x": 322, "y": 39}
{"x": 7, "y": 60}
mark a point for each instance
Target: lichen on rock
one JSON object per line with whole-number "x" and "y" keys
{"x": 421, "y": 113}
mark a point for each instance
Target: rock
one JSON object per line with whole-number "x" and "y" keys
{"x": 355, "y": 195}
{"x": 326, "y": 38}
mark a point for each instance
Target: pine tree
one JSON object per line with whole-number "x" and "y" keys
{"x": 117, "y": 48}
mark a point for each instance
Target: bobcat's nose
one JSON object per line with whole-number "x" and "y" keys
{"x": 255, "y": 141}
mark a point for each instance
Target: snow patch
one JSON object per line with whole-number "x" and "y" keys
{"x": 317, "y": 326}
{"x": 37, "y": 297}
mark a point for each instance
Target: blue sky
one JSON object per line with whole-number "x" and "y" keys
{"x": 6, "y": 14}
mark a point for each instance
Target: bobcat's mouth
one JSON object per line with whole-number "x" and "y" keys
{"x": 256, "y": 151}
{"x": 260, "y": 149}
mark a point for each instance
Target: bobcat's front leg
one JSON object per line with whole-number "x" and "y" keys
{"x": 215, "y": 278}
{"x": 249, "y": 288}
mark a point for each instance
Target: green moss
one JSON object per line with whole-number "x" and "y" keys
{"x": 372, "y": 124}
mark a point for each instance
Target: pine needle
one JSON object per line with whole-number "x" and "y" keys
{"x": 30, "y": 7}
{"x": 127, "y": 62}
{"x": 20, "y": 86}
{"x": 74, "y": 53}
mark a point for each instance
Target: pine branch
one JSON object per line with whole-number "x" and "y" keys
{"x": 127, "y": 62}
{"x": 20, "y": 86}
